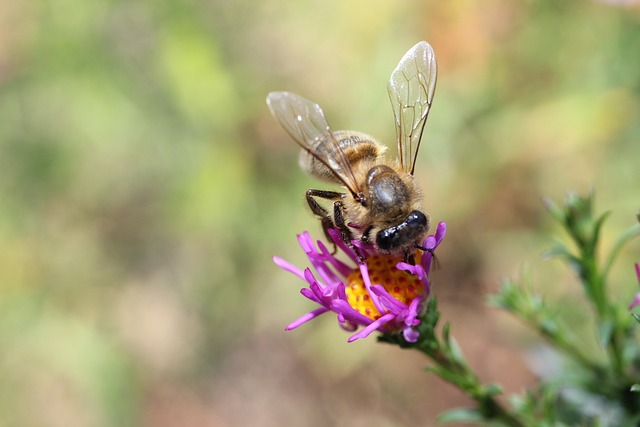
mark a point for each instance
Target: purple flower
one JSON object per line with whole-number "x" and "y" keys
{"x": 636, "y": 299}
{"x": 383, "y": 294}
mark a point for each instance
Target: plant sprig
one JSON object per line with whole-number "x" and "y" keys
{"x": 591, "y": 391}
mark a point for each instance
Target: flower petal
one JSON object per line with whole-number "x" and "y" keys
{"x": 340, "y": 266}
{"x": 410, "y": 334}
{"x": 636, "y": 298}
{"x": 441, "y": 230}
{"x": 348, "y": 313}
{"x": 304, "y": 319}
{"x": 414, "y": 308}
{"x": 387, "y": 300}
{"x": 364, "y": 271}
{"x": 416, "y": 270}
{"x": 337, "y": 239}
{"x": 375, "y": 325}
{"x": 286, "y": 266}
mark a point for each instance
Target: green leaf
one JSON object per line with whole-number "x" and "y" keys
{"x": 559, "y": 250}
{"x": 556, "y": 211}
{"x": 624, "y": 238}
{"x": 456, "y": 351}
{"x": 460, "y": 415}
{"x": 635, "y": 388}
{"x": 494, "y": 389}
{"x": 446, "y": 333}
{"x": 596, "y": 231}
{"x": 605, "y": 331}
{"x": 509, "y": 297}
{"x": 548, "y": 327}
{"x": 444, "y": 374}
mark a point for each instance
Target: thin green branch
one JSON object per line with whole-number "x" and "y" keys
{"x": 451, "y": 366}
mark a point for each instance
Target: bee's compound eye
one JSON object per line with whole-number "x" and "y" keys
{"x": 417, "y": 220}
{"x": 385, "y": 238}
{"x": 402, "y": 234}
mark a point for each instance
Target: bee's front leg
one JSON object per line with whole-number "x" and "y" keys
{"x": 409, "y": 257}
{"x": 338, "y": 218}
{"x": 325, "y": 219}
{"x": 366, "y": 235}
{"x": 345, "y": 231}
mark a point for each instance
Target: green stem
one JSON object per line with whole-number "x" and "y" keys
{"x": 560, "y": 341}
{"x": 452, "y": 368}
{"x": 594, "y": 285}
{"x": 615, "y": 349}
{"x": 460, "y": 374}
{"x": 594, "y": 282}
{"x": 617, "y": 336}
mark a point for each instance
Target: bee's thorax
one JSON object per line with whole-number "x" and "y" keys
{"x": 388, "y": 194}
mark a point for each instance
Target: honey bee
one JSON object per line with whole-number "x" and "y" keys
{"x": 382, "y": 202}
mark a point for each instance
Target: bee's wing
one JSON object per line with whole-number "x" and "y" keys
{"x": 411, "y": 88}
{"x": 305, "y": 122}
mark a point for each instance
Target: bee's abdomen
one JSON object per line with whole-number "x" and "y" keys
{"x": 355, "y": 146}
{"x": 359, "y": 146}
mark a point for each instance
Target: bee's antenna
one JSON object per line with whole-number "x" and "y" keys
{"x": 436, "y": 263}
{"x": 360, "y": 198}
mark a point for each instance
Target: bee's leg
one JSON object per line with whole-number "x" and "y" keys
{"x": 326, "y": 220}
{"x": 340, "y": 224}
{"x": 366, "y": 235}
{"x": 409, "y": 258}
{"x": 345, "y": 232}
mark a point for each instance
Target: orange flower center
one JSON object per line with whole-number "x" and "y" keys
{"x": 402, "y": 285}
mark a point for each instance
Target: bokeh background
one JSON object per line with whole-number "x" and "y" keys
{"x": 144, "y": 188}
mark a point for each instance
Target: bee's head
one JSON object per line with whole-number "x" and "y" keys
{"x": 403, "y": 235}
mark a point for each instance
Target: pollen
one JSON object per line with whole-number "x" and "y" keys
{"x": 402, "y": 285}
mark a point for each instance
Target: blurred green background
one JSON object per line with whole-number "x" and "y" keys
{"x": 144, "y": 188}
